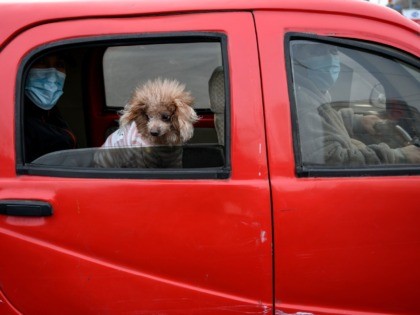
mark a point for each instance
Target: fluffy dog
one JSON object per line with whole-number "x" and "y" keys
{"x": 158, "y": 114}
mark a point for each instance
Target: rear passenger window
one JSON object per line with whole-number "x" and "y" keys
{"x": 356, "y": 107}
{"x": 140, "y": 109}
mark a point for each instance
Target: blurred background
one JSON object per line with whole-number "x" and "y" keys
{"x": 409, "y": 8}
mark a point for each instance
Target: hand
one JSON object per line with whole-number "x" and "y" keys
{"x": 412, "y": 153}
{"x": 369, "y": 121}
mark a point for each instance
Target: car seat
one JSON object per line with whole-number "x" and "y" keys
{"x": 217, "y": 102}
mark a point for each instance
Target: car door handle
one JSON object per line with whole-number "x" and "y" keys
{"x": 25, "y": 208}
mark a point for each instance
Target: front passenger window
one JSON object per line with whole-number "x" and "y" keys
{"x": 354, "y": 109}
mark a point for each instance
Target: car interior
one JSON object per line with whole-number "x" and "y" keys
{"x": 101, "y": 77}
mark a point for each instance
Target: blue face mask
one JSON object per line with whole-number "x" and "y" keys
{"x": 322, "y": 70}
{"x": 44, "y": 86}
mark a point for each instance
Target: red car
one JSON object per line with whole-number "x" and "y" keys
{"x": 297, "y": 194}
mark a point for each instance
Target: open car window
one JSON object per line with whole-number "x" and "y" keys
{"x": 148, "y": 105}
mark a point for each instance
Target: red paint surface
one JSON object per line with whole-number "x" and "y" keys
{"x": 340, "y": 246}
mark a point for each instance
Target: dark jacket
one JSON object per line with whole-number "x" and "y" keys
{"x": 45, "y": 132}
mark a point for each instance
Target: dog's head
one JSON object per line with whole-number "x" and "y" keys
{"x": 163, "y": 112}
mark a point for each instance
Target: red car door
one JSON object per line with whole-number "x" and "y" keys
{"x": 116, "y": 245}
{"x": 346, "y": 234}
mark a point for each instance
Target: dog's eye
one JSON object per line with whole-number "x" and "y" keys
{"x": 165, "y": 117}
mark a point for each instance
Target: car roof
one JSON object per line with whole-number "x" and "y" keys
{"x": 18, "y": 15}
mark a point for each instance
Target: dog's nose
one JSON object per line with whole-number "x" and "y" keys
{"x": 154, "y": 133}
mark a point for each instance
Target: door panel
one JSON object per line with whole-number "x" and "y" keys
{"x": 343, "y": 245}
{"x": 117, "y": 245}
{"x": 160, "y": 255}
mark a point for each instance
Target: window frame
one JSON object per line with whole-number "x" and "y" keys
{"x": 340, "y": 171}
{"x": 24, "y": 168}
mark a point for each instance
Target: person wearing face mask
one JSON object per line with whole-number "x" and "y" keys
{"x": 45, "y": 129}
{"x": 327, "y": 135}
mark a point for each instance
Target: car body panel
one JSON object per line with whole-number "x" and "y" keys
{"x": 262, "y": 241}
{"x": 168, "y": 244}
{"x": 336, "y": 239}
{"x": 65, "y": 10}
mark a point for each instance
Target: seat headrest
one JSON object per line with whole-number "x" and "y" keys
{"x": 217, "y": 91}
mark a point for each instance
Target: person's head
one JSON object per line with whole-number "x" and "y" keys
{"x": 45, "y": 81}
{"x": 320, "y": 62}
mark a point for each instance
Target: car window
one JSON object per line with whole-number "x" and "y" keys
{"x": 354, "y": 108}
{"x": 134, "y": 109}
{"x": 191, "y": 63}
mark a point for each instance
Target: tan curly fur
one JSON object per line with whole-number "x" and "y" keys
{"x": 162, "y": 111}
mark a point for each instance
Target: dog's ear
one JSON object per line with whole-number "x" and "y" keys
{"x": 132, "y": 111}
{"x": 185, "y": 117}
